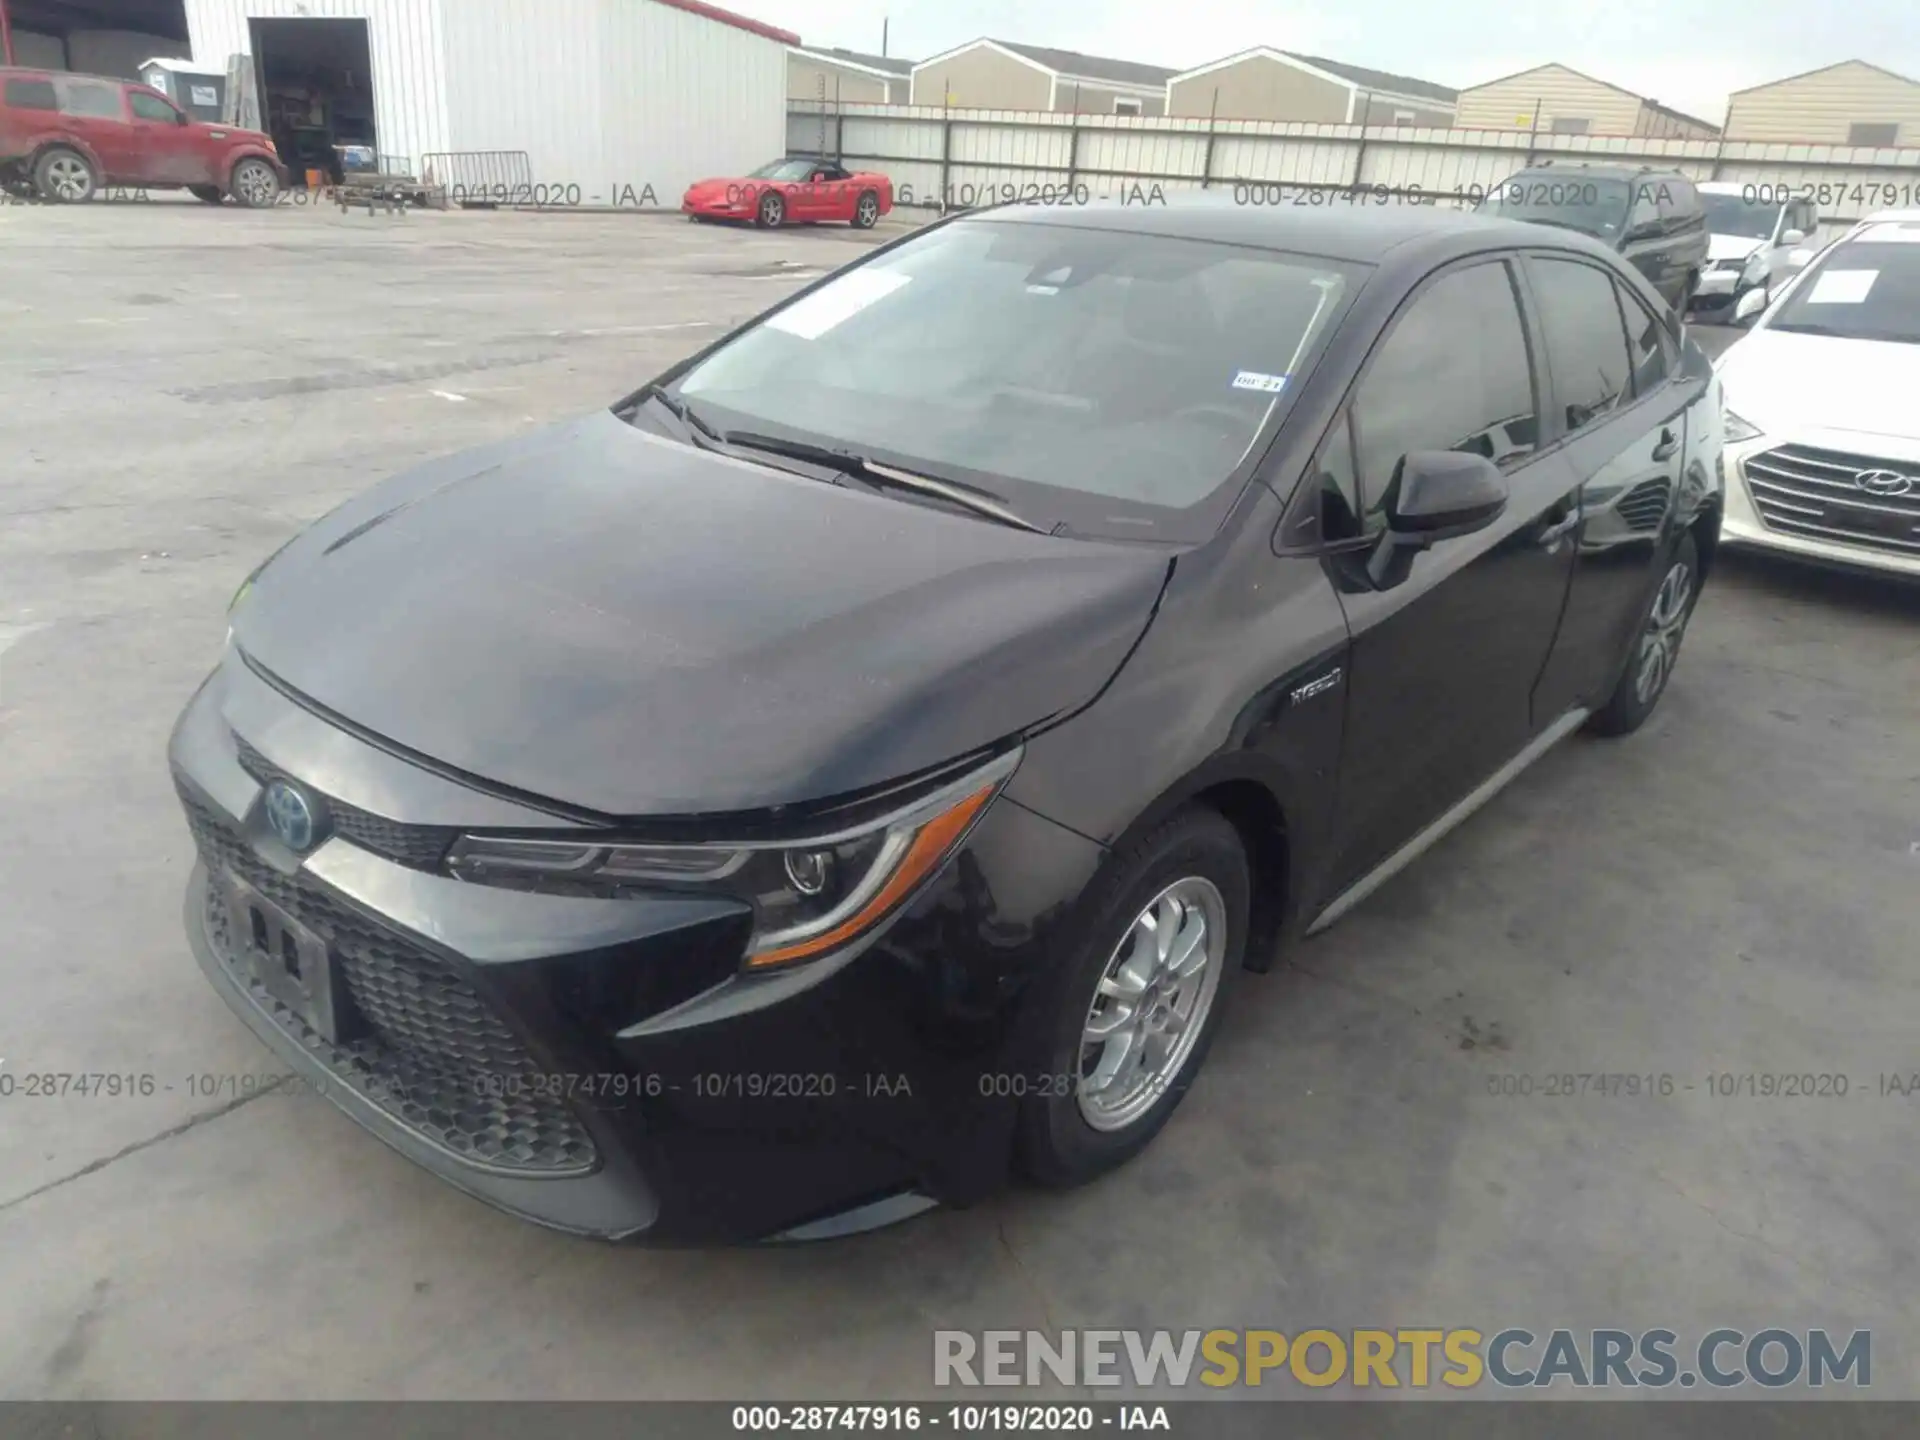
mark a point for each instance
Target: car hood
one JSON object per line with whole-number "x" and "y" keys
{"x": 714, "y": 189}
{"x": 632, "y": 627}
{"x": 1731, "y": 247}
{"x": 1778, "y": 380}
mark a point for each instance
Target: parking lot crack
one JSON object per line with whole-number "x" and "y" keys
{"x": 192, "y": 1122}
{"x": 1027, "y": 1276}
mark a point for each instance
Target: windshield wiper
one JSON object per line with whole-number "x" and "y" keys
{"x": 969, "y": 497}
{"x": 682, "y": 411}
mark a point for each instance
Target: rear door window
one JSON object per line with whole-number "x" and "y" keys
{"x": 90, "y": 100}
{"x": 1586, "y": 341}
{"x": 31, "y": 95}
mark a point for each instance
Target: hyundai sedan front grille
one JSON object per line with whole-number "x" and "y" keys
{"x": 1835, "y": 496}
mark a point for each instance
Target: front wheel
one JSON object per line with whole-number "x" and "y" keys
{"x": 1657, "y": 648}
{"x": 254, "y": 184}
{"x": 1141, "y": 997}
{"x": 772, "y": 211}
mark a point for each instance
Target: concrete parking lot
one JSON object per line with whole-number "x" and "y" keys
{"x": 1735, "y": 890}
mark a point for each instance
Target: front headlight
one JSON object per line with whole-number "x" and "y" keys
{"x": 811, "y": 894}
{"x": 1738, "y": 429}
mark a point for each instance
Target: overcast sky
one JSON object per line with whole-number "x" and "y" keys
{"x": 1685, "y": 53}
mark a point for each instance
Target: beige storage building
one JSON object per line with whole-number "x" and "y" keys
{"x": 1852, "y": 103}
{"x": 1002, "y": 75}
{"x": 1558, "y": 100}
{"x": 1268, "y": 84}
{"x": 847, "y": 77}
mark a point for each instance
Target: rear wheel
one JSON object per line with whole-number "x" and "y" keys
{"x": 254, "y": 183}
{"x": 209, "y": 193}
{"x": 773, "y": 210}
{"x": 1140, "y": 1000}
{"x": 866, "y": 210}
{"x": 64, "y": 176}
{"x": 1655, "y": 652}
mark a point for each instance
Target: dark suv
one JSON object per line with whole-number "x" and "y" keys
{"x": 1653, "y": 218}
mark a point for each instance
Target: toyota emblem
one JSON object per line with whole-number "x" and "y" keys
{"x": 1885, "y": 482}
{"x": 290, "y": 815}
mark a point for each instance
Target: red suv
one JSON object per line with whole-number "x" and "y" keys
{"x": 67, "y": 135}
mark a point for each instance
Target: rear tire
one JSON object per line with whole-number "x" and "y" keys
{"x": 212, "y": 194}
{"x": 64, "y": 176}
{"x": 1657, "y": 647}
{"x": 866, "y": 210}
{"x": 772, "y": 211}
{"x": 253, "y": 183}
{"x": 1141, "y": 994}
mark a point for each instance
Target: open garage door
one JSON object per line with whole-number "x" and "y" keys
{"x": 316, "y": 95}
{"x": 96, "y": 37}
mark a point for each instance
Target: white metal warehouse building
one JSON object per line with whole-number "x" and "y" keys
{"x": 614, "y": 96}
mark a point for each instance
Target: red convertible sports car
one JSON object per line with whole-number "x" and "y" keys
{"x": 793, "y": 191}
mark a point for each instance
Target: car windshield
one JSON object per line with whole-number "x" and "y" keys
{"x": 1107, "y": 379}
{"x": 1577, "y": 202}
{"x": 1867, "y": 288}
{"x": 783, "y": 170}
{"x": 1731, "y": 215}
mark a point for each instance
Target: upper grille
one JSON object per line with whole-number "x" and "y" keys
{"x": 438, "y": 1057}
{"x": 1800, "y": 490}
{"x": 420, "y": 847}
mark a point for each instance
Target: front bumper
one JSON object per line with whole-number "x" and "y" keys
{"x": 1812, "y": 536}
{"x": 543, "y": 1054}
{"x": 718, "y": 209}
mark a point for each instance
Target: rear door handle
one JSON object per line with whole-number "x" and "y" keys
{"x": 1669, "y": 443}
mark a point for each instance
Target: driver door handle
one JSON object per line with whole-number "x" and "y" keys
{"x": 1564, "y": 520}
{"x": 1669, "y": 443}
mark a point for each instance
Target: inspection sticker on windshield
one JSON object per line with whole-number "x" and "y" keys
{"x": 1259, "y": 380}
{"x": 1842, "y": 287}
{"x": 830, "y": 305}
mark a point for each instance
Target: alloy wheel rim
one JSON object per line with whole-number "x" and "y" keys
{"x": 1660, "y": 643}
{"x": 869, "y": 207}
{"x": 1151, "y": 1003}
{"x": 770, "y": 209}
{"x": 252, "y": 181}
{"x": 69, "y": 178}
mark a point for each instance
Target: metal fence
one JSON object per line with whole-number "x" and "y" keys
{"x": 482, "y": 177}
{"x": 947, "y": 159}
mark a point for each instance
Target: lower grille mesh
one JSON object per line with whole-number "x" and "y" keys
{"x": 439, "y": 1059}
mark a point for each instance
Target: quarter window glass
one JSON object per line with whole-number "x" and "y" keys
{"x": 31, "y": 95}
{"x": 1338, "y": 484}
{"x": 93, "y": 102}
{"x": 1586, "y": 344}
{"x": 1653, "y": 352}
{"x": 1452, "y": 375}
{"x": 152, "y": 107}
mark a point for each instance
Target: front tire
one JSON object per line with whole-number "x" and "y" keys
{"x": 772, "y": 211}
{"x": 254, "y": 184}
{"x": 1140, "y": 1001}
{"x": 1657, "y": 647}
{"x": 64, "y": 176}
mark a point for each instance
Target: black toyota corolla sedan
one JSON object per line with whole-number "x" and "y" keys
{"x": 860, "y": 764}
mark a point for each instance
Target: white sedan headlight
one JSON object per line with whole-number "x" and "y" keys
{"x": 1738, "y": 429}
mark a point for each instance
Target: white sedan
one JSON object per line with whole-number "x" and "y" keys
{"x": 1823, "y": 425}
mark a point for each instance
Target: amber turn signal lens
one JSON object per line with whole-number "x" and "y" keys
{"x": 931, "y": 844}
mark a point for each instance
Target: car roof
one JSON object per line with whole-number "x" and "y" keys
{"x": 1362, "y": 230}
{"x": 29, "y": 72}
{"x": 1605, "y": 170}
{"x": 1726, "y": 187}
{"x": 1910, "y": 215}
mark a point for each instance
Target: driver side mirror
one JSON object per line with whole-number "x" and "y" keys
{"x": 1438, "y": 495}
{"x": 1748, "y": 307}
